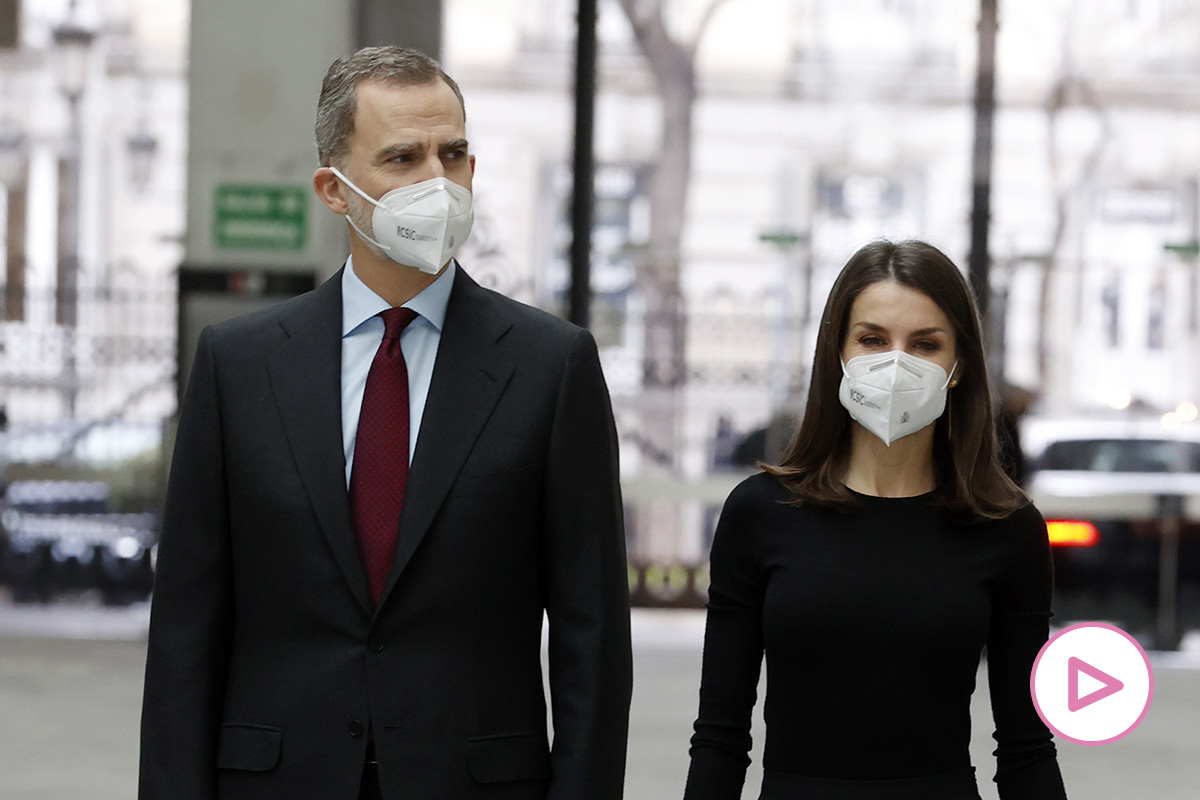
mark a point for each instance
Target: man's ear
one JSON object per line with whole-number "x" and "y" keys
{"x": 329, "y": 189}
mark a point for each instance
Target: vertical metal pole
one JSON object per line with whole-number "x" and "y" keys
{"x": 68, "y": 290}
{"x": 583, "y": 165}
{"x": 1170, "y": 510}
{"x": 981, "y": 168}
{"x": 15, "y": 221}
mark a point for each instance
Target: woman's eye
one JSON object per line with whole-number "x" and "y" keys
{"x": 928, "y": 346}
{"x": 870, "y": 341}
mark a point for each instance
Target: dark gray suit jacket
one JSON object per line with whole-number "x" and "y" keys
{"x": 266, "y": 659}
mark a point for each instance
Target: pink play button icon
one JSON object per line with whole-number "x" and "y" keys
{"x": 1099, "y": 662}
{"x": 1110, "y": 685}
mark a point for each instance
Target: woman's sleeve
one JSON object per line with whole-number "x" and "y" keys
{"x": 1026, "y": 764}
{"x": 733, "y": 650}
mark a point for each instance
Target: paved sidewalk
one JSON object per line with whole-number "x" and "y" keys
{"x": 69, "y": 710}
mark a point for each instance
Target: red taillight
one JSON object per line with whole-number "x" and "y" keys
{"x": 1068, "y": 533}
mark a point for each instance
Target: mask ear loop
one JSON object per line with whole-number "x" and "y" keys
{"x": 350, "y": 183}
{"x": 370, "y": 200}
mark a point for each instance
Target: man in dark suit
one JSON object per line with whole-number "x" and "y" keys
{"x": 378, "y": 489}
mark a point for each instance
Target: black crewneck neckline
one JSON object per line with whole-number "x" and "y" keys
{"x": 882, "y": 498}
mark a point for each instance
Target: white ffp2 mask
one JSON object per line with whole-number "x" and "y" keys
{"x": 893, "y": 394}
{"x": 421, "y": 225}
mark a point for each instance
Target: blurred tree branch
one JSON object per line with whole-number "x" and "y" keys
{"x": 1070, "y": 89}
{"x": 672, "y": 64}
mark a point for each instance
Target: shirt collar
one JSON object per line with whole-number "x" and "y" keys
{"x": 360, "y": 303}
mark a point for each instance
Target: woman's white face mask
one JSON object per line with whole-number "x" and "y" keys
{"x": 893, "y": 394}
{"x": 421, "y": 225}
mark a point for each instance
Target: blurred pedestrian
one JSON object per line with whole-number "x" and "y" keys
{"x": 378, "y": 489}
{"x": 875, "y": 562}
{"x": 1014, "y": 403}
{"x": 724, "y": 444}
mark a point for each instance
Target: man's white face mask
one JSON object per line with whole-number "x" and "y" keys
{"x": 893, "y": 394}
{"x": 421, "y": 225}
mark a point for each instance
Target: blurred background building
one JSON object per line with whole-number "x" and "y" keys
{"x": 815, "y": 127}
{"x": 745, "y": 148}
{"x": 93, "y": 113}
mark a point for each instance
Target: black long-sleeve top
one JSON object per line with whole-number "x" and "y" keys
{"x": 872, "y": 621}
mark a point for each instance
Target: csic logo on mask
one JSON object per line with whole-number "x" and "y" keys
{"x": 411, "y": 235}
{"x": 861, "y": 399}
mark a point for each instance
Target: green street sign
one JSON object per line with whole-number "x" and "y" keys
{"x": 260, "y": 217}
{"x": 783, "y": 237}
{"x": 1184, "y": 249}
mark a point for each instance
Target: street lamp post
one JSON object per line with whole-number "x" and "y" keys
{"x": 1170, "y": 507}
{"x": 12, "y": 166}
{"x": 789, "y": 330}
{"x": 72, "y": 44}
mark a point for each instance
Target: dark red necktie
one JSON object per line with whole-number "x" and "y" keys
{"x": 380, "y": 471}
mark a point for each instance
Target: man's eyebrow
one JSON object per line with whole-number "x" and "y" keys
{"x": 454, "y": 144}
{"x": 871, "y": 326}
{"x": 391, "y": 151}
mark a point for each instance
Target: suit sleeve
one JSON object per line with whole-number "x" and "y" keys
{"x": 191, "y": 610}
{"x": 587, "y": 597}
{"x": 1026, "y": 764}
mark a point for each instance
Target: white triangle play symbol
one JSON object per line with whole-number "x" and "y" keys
{"x": 1088, "y": 685}
{"x": 1109, "y": 684}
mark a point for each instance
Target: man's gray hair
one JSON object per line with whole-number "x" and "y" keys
{"x": 399, "y": 66}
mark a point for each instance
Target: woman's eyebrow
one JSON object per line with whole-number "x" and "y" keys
{"x": 871, "y": 326}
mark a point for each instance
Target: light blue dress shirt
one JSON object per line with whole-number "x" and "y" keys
{"x": 362, "y": 332}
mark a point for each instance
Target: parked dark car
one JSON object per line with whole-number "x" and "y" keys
{"x": 60, "y": 536}
{"x": 1107, "y": 488}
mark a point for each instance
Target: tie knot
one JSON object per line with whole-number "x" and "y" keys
{"x": 395, "y": 320}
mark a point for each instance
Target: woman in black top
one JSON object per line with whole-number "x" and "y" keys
{"x": 875, "y": 563}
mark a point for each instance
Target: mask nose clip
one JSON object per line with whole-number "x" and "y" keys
{"x": 893, "y": 358}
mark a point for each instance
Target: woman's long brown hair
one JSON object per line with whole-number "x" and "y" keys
{"x": 970, "y": 480}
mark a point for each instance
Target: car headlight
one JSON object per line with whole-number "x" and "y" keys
{"x": 127, "y": 547}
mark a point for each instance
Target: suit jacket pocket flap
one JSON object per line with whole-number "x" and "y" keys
{"x": 509, "y": 757}
{"x": 253, "y": 748}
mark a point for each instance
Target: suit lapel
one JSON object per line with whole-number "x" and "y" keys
{"x": 306, "y": 378}
{"x": 468, "y": 379}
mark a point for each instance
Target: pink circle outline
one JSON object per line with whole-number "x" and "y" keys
{"x": 1033, "y": 692}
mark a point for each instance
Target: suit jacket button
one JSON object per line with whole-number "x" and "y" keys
{"x": 356, "y": 728}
